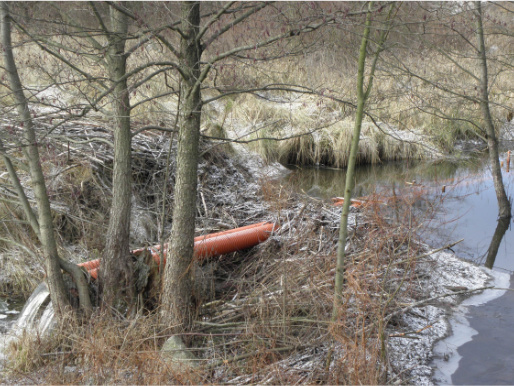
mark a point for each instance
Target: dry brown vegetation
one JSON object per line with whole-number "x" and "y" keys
{"x": 264, "y": 317}
{"x": 266, "y": 314}
{"x": 423, "y": 98}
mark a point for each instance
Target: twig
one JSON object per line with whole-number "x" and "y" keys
{"x": 251, "y": 354}
{"x": 425, "y": 301}
{"x": 429, "y": 253}
{"x": 405, "y": 334}
{"x": 210, "y": 324}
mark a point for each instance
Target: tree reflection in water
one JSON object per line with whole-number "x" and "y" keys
{"x": 501, "y": 229}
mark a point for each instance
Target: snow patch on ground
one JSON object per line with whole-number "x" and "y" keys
{"x": 439, "y": 274}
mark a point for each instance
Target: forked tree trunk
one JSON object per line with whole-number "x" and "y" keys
{"x": 504, "y": 208}
{"x": 47, "y": 237}
{"x": 176, "y": 294}
{"x": 116, "y": 274}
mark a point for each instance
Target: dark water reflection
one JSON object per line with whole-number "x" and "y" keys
{"x": 487, "y": 359}
{"x": 326, "y": 183}
{"x": 466, "y": 210}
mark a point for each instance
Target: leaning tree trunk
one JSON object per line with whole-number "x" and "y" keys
{"x": 116, "y": 274}
{"x": 176, "y": 294}
{"x": 504, "y": 208}
{"x": 47, "y": 237}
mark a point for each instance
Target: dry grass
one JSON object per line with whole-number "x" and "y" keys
{"x": 105, "y": 350}
{"x": 306, "y": 132}
{"x": 20, "y": 266}
{"x": 21, "y": 270}
{"x": 400, "y": 101}
{"x": 270, "y": 320}
{"x": 273, "y": 323}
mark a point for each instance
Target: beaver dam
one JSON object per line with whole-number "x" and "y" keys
{"x": 265, "y": 312}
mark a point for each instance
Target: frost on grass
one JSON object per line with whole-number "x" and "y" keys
{"x": 258, "y": 167}
{"x": 228, "y": 194}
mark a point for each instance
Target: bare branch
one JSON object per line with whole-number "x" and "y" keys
{"x": 215, "y": 18}
{"x": 230, "y": 25}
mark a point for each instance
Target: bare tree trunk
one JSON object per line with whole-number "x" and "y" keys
{"x": 350, "y": 170}
{"x": 363, "y": 91}
{"x": 53, "y": 270}
{"x": 176, "y": 296}
{"x": 117, "y": 271}
{"x": 27, "y": 209}
{"x": 504, "y": 208}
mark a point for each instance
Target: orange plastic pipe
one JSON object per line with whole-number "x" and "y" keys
{"x": 208, "y": 236}
{"x": 227, "y": 242}
{"x": 221, "y": 243}
{"x": 96, "y": 263}
{"x": 89, "y": 265}
{"x": 93, "y": 273}
{"x": 235, "y": 230}
{"x": 338, "y": 201}
{"x": 210, "y": 245}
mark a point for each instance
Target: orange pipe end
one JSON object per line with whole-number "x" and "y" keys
{"x": 89, "y": 265}
{"x": 93, "y": 273}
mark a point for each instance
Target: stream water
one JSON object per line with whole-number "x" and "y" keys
{"x": 36, "y": 315}
{"x": 480, "y": 349}
{"x": 9, "y": 311}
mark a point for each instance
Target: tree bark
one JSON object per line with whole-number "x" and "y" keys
{"x": 55, "y": 280}
{"x": 504, "y": 209}
{"x": 177, "y": 290}
{"x": 22, "y": 197}
{"x": 72, "y": 269}
{"x": 116, "y": 274}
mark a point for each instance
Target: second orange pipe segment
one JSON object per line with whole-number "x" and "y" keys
{"x": 210, "y": 245}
